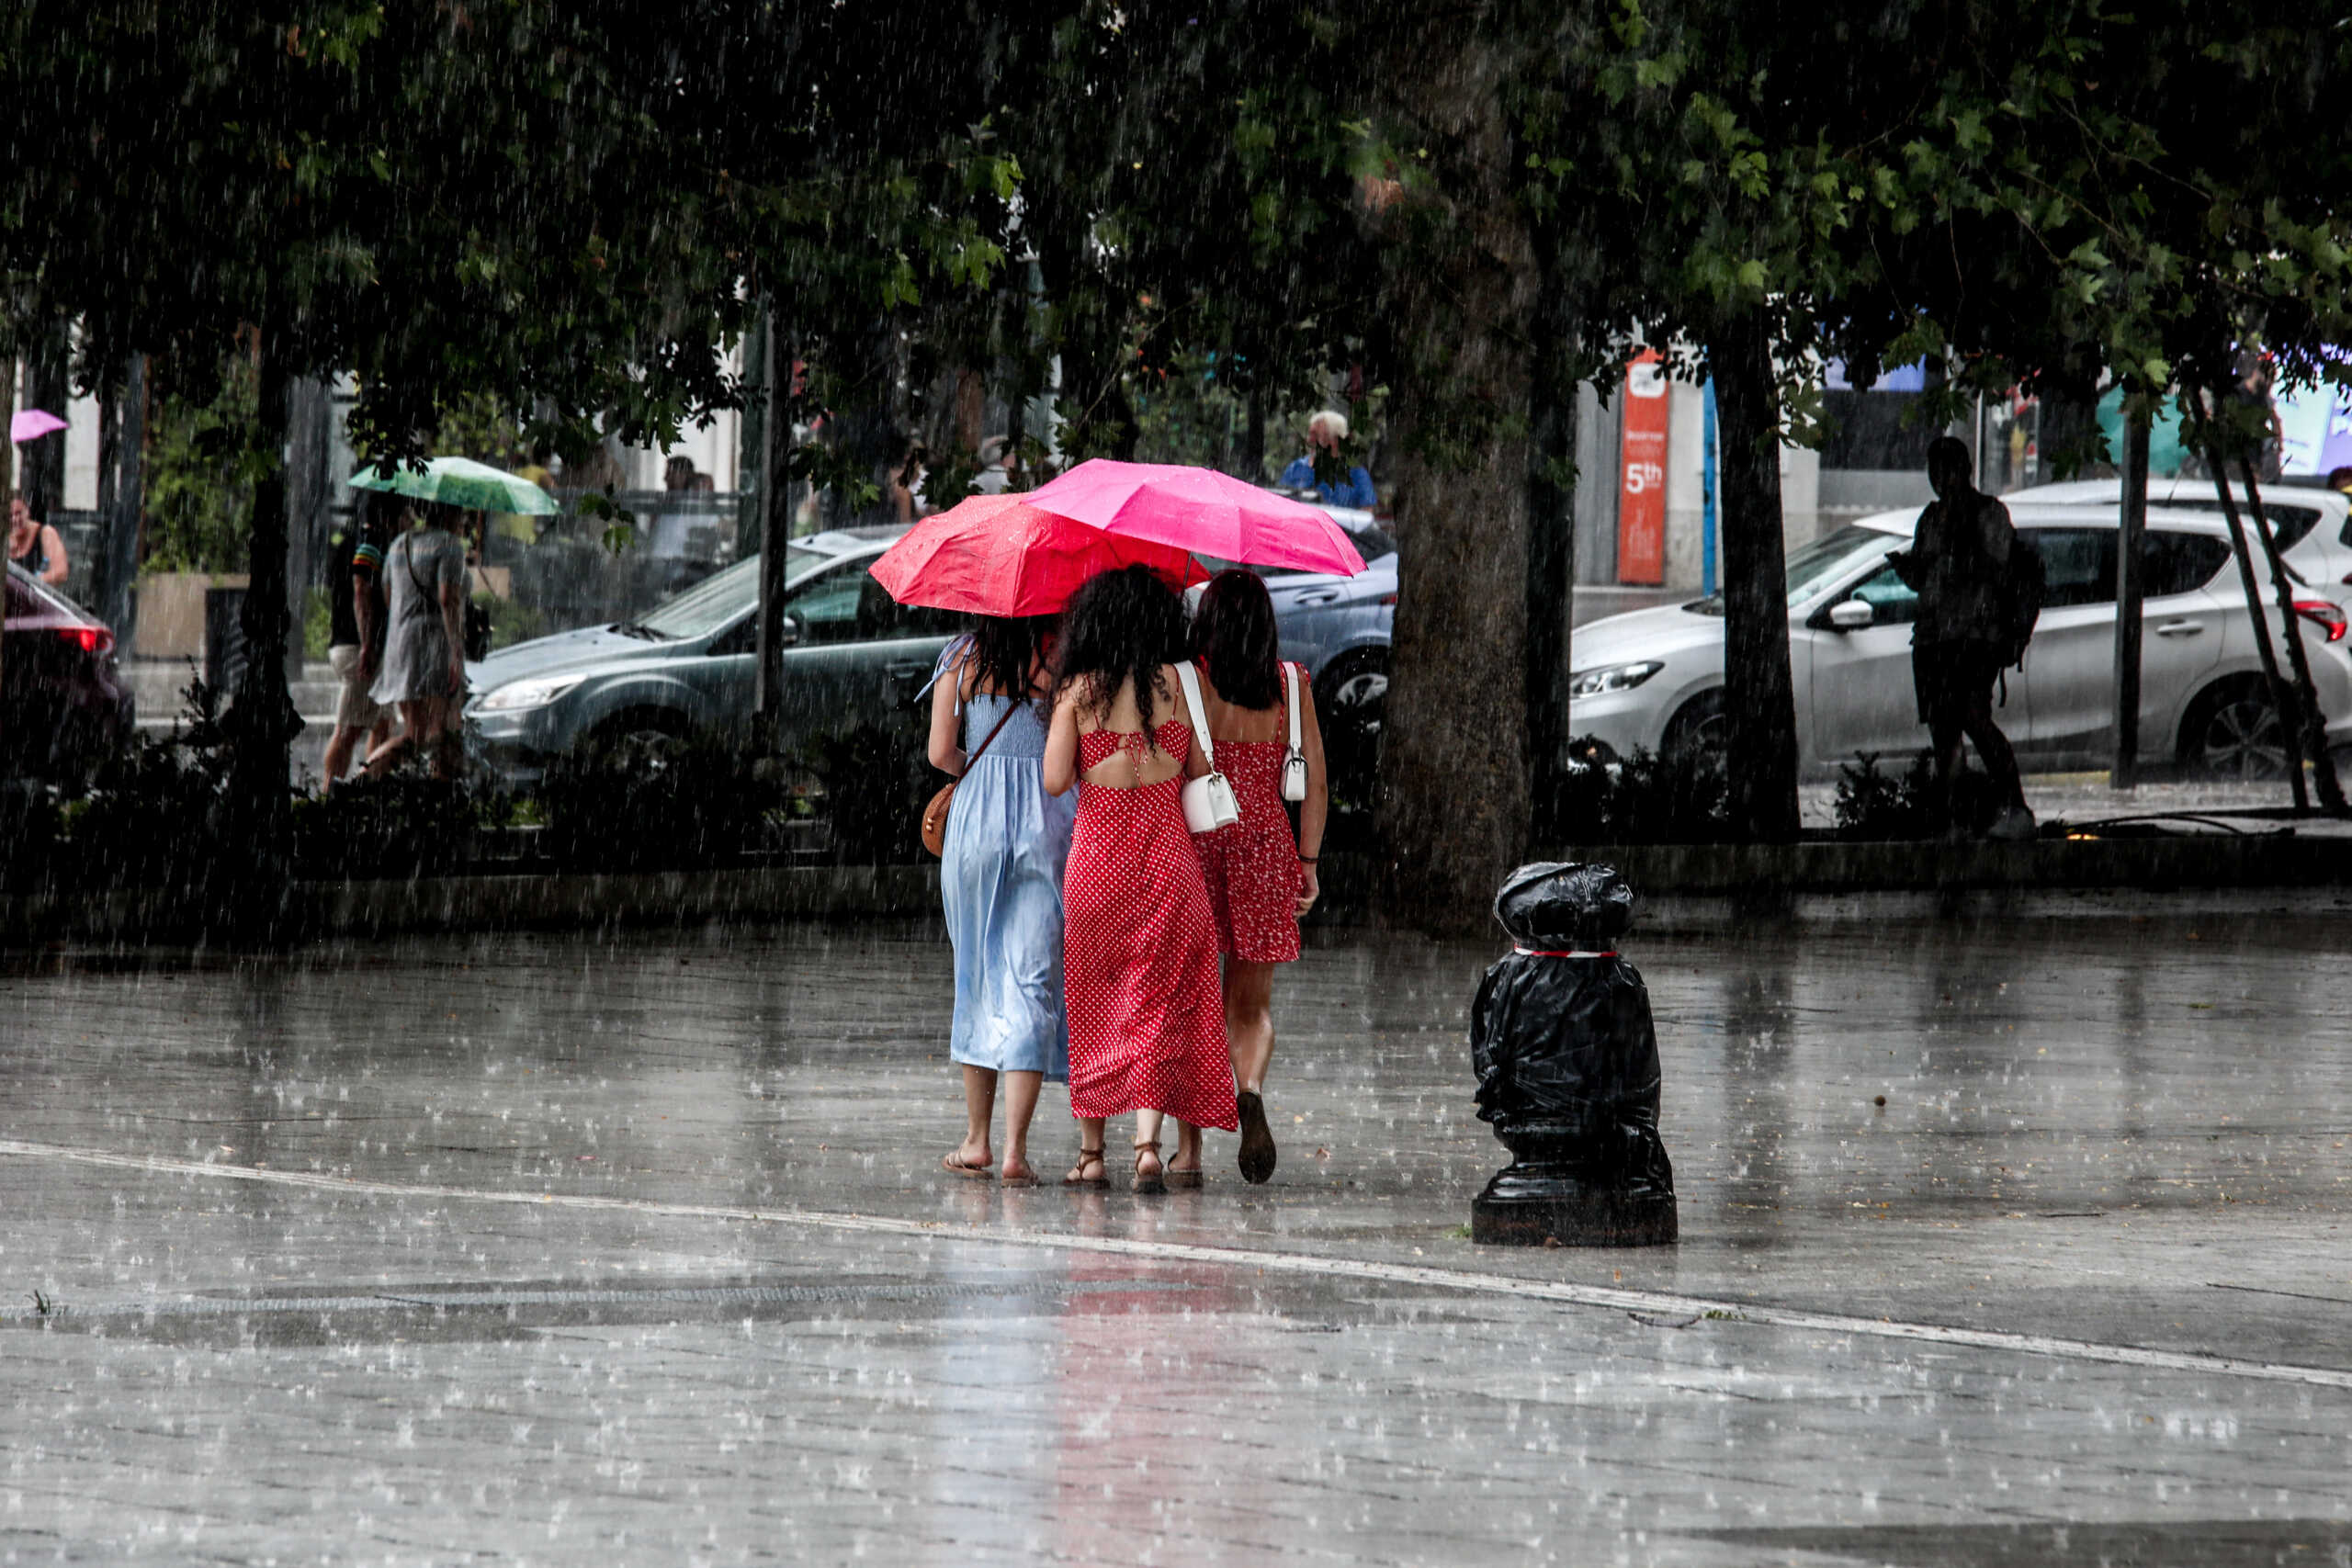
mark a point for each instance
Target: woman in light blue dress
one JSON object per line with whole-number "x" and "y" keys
{"x": 1000, "y": 880}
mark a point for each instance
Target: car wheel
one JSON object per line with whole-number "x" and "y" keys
{"x": 1352, "y": 702}
{"x": 1699, "y": 727}
{"x": 2233, "y": 732}
{"x": 641, "y": 741}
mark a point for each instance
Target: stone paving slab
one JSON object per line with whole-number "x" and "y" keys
{"x": 532, "y": 1317}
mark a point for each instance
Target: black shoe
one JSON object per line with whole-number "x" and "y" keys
{"x": 1257, "y": 1138}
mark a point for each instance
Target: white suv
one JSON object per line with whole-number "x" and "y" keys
{"x": 1654, "y": 679}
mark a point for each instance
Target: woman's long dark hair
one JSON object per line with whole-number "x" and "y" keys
{"x": 1234, "y": 635}
{"x": 1006, "y": 651}
{"x": 1122, "y": 625}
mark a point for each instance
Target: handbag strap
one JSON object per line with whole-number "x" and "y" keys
{"x": 1190, "y": 681}
{"x": 1011, "y": 705}
{"x": 1290, "y": 694}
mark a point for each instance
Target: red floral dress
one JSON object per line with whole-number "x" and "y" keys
{"x": 1252, "y": 866}
{"x": 1146, "y": 1015}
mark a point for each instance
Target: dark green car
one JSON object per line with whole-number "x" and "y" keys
{"x": 853, "y": 657}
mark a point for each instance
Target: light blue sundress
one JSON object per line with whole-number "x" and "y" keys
{"x": 1001, "y": 879}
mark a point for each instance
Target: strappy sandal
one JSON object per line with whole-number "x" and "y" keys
{"x": 1078, "y": 1178}
{"x": 1157, "y": 1180}
{"x": 954, "y": 1167}
{"x": 1184, "y": 1181}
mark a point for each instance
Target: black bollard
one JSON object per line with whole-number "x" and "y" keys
{"x": 1568, "y": 1072}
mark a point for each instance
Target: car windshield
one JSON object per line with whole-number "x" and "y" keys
{"x": 719, "y": 599}
{"x": 1813, "y": 566}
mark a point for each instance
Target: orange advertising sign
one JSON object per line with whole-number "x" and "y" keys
{"x": 1641, "y": 484}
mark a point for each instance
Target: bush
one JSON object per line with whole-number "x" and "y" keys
{"x": 1644, "y": 799}
{"x": 876, "y": 782}
{"x": 660, "y": 805}
{"x": 1870, "y": 804}
{"x": 406, "y": 824}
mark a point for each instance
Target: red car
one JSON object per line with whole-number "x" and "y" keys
{"x": 62, "y": 707}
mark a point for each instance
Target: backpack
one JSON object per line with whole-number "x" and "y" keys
{"x": 2022, "y": 586}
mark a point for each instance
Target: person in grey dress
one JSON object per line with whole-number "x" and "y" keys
{"x": 424, "y": 673}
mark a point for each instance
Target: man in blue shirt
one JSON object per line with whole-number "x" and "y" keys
{"x": 1324, "y": 434}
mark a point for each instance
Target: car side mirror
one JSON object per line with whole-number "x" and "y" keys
{"x": 1851, "y": 614}
{"x": 787, "y": 632}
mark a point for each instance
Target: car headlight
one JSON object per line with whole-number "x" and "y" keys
{"x": 519, "y": 694}
{"x": 1602, "y": 679}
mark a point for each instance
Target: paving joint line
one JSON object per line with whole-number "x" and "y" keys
{"x": 1458, "y": 1279}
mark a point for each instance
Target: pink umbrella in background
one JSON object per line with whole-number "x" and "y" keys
{"x": 1202, "y": 511}
{"x": 996, "y": 555}
{"x": 32, "y": 424}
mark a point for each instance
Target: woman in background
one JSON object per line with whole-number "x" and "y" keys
{"x": 424, "y": 673}
{"x": 1260, "y": 880}
{"x": 1146, "y": 1026}
{"x": 1001, "y": 883}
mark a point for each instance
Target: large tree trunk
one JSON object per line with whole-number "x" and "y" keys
{"x": 1759, "y": 701}
{"x": 1551, "y": 567}
{"x": 776, "y": 527}
{"x": 259, "y": 843}
{"x": 1454, "y": 804}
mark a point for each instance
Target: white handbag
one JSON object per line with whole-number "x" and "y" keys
{"x": 1295, "y": 759}
{"x": 1209, "y": 802}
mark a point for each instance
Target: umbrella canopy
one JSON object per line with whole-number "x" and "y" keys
{"x": 32, "y": 424}
{"x": 1201, "y": 509}
{"x": 462, "y": 482}
{"x": 999, "y": 555}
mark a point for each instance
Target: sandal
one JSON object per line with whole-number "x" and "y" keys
{"x": 1088, "y": 1158}
{"x": 1024, "y": 1176}
{"x": 954, "y": 1167}
{"x": 1155, "y": 1181}
{"x": 1257, "y": 1139}
{"x": 1183, "y": 1179}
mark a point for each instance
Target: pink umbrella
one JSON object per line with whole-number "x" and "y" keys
{"x": 32, "y": 424}
{"x": 1203, "y": 511}
{"x": 995, "y": 555}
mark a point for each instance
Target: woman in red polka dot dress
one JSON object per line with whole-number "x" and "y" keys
{"x": 1261, "y": 881}
{"x": 1147, "y": 1021}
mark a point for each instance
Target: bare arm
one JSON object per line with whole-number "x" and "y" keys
{"x": 58, "y": 566}
{"x": 1062, "y": 746}
{"x": 1196, "y": 765}
{"x": 1314, "y": 811}
{"x": 946, "y": 702}
{"x": 363, "y": 607}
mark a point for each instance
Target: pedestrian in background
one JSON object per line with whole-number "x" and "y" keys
{"x": 1147, "y": 1022}
{"x": 1959, "y": 565}
{"x": 35, "y": 546}
{"x": 356, "y": 631}
{"x": 1260, "y": 879}
{"x": 423, "y": 674}
{"x": 1324, "y": 434}
{"x": 1000, "y": 883}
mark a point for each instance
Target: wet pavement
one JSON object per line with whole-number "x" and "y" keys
{"x": 541, "y": 1249}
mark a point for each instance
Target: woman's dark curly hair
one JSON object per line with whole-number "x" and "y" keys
{"x": 1122, "y": 625}
{"x": 1234, "y": 635}
{"x": 1006, "y": 650}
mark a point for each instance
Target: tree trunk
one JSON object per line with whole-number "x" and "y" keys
{"x": 1454, "y": 804}
{"x": 776, "y": 527}
{"x": 1551, "y": 571}
{"x": 126, "y": 510}
{"x": 2311, "y": 721}
{"x": 2282, "y": 696}
{"x": 259, "y": 843}
{"x": 48, "y": 385}
{"x": 2124, "y": 773}
{"x": 1759, "y": 701}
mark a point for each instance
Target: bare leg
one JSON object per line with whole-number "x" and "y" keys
{"x": 1148, "y": 1169}
{"x": 980, "y": 1108}
{"x": 338, "y": 757}
{"x": 1089, "y": 1169}
{"x": 1188, "y": 1148}
{"x": 1250, "y": 1021}
{"x": 1021, "y": 1092}
{"x": 380, "y": 760}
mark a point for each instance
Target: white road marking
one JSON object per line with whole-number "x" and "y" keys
{"x": 1461, "y": 1279}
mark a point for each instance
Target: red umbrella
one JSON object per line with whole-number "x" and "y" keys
{"x": 997, "y": 555}
{"x": 1200, "y": 509}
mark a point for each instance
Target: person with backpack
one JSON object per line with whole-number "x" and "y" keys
{"x": 1979, "y": 587}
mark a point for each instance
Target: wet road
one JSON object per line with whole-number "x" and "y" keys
{"x": 563, "y": 1250}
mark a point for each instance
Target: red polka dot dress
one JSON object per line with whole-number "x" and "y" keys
{"x": 1252, "y": 867}
{"x": 1147, "y": 1016}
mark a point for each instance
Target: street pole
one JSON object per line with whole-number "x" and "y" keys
{"x": 128, "y": 510}
{"x": 2129, "y": 591}
{"x": 775, "y": 519}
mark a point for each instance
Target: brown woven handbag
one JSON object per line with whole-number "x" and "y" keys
{"x": 934, "y": 816}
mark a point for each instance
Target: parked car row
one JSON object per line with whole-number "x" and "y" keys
{"x": 65, "y": 710}
{"x": 1654, "y": 679}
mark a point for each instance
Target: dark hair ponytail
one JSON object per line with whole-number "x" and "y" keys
{"x": 1121, "y": 626}
{"x": 1234, "y": 635}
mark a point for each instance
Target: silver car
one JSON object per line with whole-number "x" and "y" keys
{"x": 853, "y": 656}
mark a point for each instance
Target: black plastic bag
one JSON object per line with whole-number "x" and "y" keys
{"x": 1566, "y": 1053}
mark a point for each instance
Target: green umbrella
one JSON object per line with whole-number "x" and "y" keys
{"x": 462, "y": 482}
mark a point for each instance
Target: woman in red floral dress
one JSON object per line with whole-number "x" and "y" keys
{"x": 1147, "y": 1025}
{"x": 1260, "y": 879}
